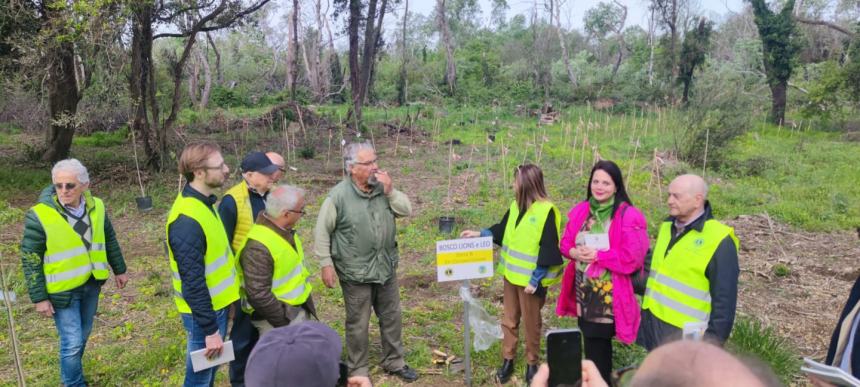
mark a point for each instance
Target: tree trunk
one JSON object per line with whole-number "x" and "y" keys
{"x": 565, "y": 56}
{"x": 377, "y": 36}
{"x": 142, "y": 84}
{"x": 402, "y": 84}
{"x": 369, "y": 52}
{"x": 621, "y": 44}
{"x": 651, "y": 28}
{"x": 687, "y": 81}
{"x": 218, "y": 72}
{"x": 294, "y": 48}
{"x": 207, "y": 80}
{"x": 63, "y": 100}
{"x": 355, "y": 80}
{"x": 451, "y": 65}
{"x": 192, "y": 79}
{"x": 779, "y": 91}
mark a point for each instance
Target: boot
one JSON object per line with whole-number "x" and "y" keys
{"x": 531, "y": 370}
{"x": 503, "y": 374}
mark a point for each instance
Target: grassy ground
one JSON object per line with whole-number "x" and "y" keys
{"x": 804, "y": 178}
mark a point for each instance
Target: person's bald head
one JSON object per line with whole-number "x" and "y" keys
{"x": 687, "y": 196}
{"x": 695, "y": 363}
{"x": 279, "y": 161}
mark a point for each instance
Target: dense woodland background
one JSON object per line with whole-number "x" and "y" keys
{"x": 156, "y": 66}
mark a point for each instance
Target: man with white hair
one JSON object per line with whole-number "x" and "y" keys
{"x": 693, "y": 269}
{"x": 272, "y": 260}
{"x": 66, "y": 249}
{"x": 355, "y": 233}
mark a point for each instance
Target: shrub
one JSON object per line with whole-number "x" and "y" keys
{"x": 752, "y": 338}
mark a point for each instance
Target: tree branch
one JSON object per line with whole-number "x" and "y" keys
{"x": 227, "y": 23}
{"x": 832, "y": 26}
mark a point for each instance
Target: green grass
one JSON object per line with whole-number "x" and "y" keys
{"x": 807, "y": 179}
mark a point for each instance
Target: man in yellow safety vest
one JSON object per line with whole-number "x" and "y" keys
{"x": 205, "y": 282}
{"x": 275, "y": 279}
{"x": 693, "y": 276}
{"x": 66, "y": 249}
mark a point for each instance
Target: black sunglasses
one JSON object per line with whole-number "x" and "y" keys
{"x": 68, "y": 186}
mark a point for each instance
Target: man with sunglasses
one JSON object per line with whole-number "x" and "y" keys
{"x": 355, "y": 238}
{"x": 66, "y": 249}
{"x": 240, "y": 205}
{"x": 276, "y": 290}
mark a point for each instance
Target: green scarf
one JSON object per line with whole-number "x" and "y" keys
{"x": 601, "y": 213}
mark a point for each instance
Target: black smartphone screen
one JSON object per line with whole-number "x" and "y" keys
{"x": 564, "y": 355}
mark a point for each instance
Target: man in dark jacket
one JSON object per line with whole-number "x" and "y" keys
{"x": 693, "y": 269}
{"x": 67, "y": 246}
{"x": 272, "y": 260}
{"x": 205, "y": 282}
{"x": 355, "y": 233}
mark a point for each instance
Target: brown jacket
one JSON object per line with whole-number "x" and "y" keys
{"x": 258, "y": 266}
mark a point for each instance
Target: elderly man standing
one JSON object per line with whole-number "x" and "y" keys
{"x": 67, "y": 246}
{"x": 355, "y": 233}
{"x": 272, "y": 262}
{"x": 205, "y": 283}
{"x": 693, "y": 269}
{"x": 239, "y": 207}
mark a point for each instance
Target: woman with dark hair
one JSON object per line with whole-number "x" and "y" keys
{"x": 607, "y": 238}
{"x": 529, "y": 261}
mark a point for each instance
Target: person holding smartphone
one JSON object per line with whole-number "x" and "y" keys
{"x": 607, "y": 238}
{"x": 529, "y": 261}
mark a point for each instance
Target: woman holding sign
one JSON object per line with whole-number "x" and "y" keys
{"x": 529, "y": 262}
{"x": 607, "y": 238}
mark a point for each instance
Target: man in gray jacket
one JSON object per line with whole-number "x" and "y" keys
{"x": 355, "y": 234}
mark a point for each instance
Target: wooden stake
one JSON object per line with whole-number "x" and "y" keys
{"x": 19, "y": 366}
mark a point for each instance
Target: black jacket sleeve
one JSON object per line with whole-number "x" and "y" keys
{"x": 498, "y": 229}
{"x": 228, "y": 213}
{"x": 188, "y": 243}
{"x": 114, "y": 253}
{"x": 549, "y": 254}
{"x": 722, "y": 272}
{"x": 853, "y": 298}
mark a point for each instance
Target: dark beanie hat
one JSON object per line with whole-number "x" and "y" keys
{"x": 304, "y": 354}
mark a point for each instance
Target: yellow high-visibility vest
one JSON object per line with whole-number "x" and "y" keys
{"x": 221, "y": 278}
{"x": 677, "y": 291}
{"x": 521, "y": 244}
{"x": 244, "y": 214}
{"x": 289, "y": 276}
{"x": 67, "y": 262}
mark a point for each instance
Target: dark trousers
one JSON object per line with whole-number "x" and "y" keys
{"x": 244, "y": 336}
{"x": 385, "y": 300}
{"x": 597, "y": 338}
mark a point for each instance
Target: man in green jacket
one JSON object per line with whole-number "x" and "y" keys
{"x": 355, "y": 233}
{"x": 67, "y": 246}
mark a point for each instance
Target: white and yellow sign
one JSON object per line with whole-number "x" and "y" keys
{"x": 460, "y": 259}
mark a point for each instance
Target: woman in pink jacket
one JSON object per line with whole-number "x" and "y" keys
{"x": 607, "y": 238}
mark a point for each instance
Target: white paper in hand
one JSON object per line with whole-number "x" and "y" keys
{"x": 694, "y": 330}
{"x": 599, "y": 242}
{"x": 200, "y": 362}
{"x": 830, "y": 374}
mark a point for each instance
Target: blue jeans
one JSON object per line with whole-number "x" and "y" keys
{"x": 197, "y": 340}
{"x": 74, "y": 324}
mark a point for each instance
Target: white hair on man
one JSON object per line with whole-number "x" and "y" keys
{"x": 350, "y": 152}
{"x": 282, "y": 198}
{"x": 72, "y": 165}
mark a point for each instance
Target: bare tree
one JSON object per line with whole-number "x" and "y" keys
{"x": 565, "y": 56}
{"x": 620, "y": 33}
{"x": 667, "y": 11}
{"x": 403, "y": 82}
{"x": 447, "y": 40}
{"x": 294, "y": 49}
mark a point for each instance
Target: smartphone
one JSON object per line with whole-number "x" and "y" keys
{"x": 564, "y": 355}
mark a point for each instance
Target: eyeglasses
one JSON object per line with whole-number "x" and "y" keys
{"x": 68, "y": 186}
{"x": 302, "y": 211}
{"x": 282, "y": 169}
{"x": 219, "y": 166}
{"x": 366, "y": 163}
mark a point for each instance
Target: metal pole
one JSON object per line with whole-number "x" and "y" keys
{"x": 19, "y": 367}
{"x": 467, "y": 336}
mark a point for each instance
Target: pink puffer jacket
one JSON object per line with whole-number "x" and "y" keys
{"x": 628, "y": 246}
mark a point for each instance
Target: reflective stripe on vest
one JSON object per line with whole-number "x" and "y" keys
{"x": 220, "y": 272}
{"x": 520, "y": 247}
{"x": 67, "y": 263}
{"x": 678, "y": 292}
{"x": 289, "y": 276}
{"x": 244, "y": 214}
